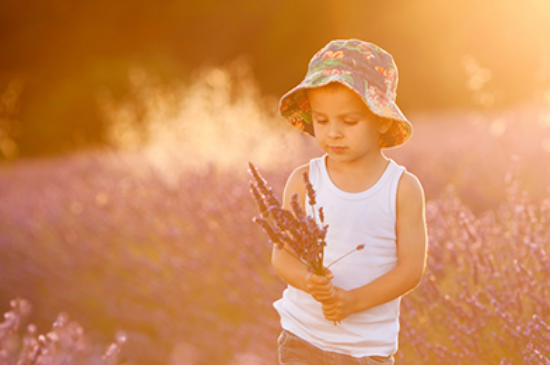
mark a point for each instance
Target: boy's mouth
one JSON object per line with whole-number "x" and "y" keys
{"x": 337, "y": 149}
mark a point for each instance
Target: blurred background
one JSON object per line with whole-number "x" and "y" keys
{"x": 59, "y": 57}
{"x": 125, "y": 132}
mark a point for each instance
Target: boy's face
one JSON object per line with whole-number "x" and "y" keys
{"x": 344, "y": 126}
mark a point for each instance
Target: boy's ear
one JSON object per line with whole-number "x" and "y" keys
{"x": 384, "y": 125}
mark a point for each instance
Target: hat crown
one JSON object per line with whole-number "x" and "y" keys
{"x": 363, "y": 59}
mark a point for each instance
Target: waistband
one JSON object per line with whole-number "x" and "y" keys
{"x": 379, "y": 359}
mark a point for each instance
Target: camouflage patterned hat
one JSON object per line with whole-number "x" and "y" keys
{"x": 364, "y": 68}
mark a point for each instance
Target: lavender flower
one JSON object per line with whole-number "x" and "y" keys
{"x": 301, "y": 234}
{"x": 265, "y": 190}
{"x": 309, "y": 189}
{"x": 65, "y": 343}
{"x": 274, "y": 237}
{"x": 297, "y": 208}
{"x": 259, "y": 201}
{"x": 321, "y": 215}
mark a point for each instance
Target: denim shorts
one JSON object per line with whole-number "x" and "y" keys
{"x": 295, "y": 351}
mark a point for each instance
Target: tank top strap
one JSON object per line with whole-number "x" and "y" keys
{"x": 315, "y": 170}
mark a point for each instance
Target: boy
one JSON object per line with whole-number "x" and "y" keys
{"x": 347, "y": 102}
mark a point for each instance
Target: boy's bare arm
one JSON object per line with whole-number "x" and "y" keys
{"x": 287, "y": 267}
{"x": 411, "y": 251}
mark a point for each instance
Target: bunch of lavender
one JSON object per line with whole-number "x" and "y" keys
{"x": 293, "y": 229}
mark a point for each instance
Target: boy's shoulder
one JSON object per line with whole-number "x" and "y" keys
{"x": 295, "y": 184}
{"x": 296, "y": 179}
{"x": 410, "y": 188}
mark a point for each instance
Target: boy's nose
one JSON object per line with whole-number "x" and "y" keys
{"x": 334, "y": 131}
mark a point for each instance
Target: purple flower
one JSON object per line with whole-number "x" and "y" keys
{"x": 259, "y": 200}
{"x": 275, "y": 239}
{"x": 300, "y": 232}
{"x": 309, "y": 189}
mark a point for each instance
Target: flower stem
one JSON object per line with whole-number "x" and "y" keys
{"x": 358, "y": 248}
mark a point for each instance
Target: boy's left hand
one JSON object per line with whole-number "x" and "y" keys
{"x": 341, "y": 306}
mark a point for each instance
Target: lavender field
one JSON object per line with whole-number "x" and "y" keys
{"x": 150, "y": 248}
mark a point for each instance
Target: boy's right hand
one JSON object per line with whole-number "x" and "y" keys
{"x": 320, "y": 287}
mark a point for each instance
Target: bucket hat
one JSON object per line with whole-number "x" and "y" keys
{"x": 363, "y": 67}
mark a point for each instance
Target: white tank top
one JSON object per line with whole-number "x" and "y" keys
{"x": 368, "y": 218}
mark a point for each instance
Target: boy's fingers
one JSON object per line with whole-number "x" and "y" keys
{"x": 325, "y": 298}
{"x": 332, "y": 304}
{"x": 319, "y": 286}
{"x": 333, "y": 311}
{"x": 322, "y": 295}
{"x": 321, "y": 279}
{"x": 324, "y": 290}
{"x": 332, "y": 315}
{"x": 317, "y": 280}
